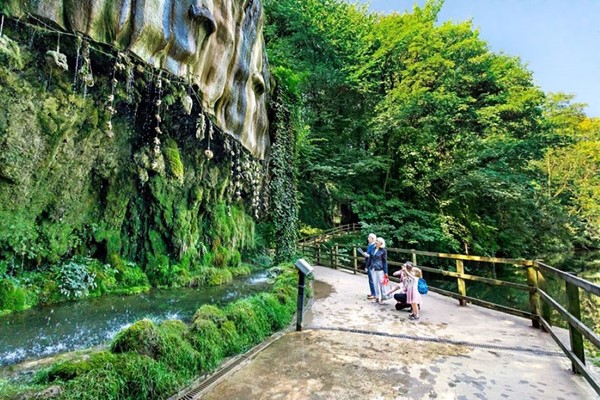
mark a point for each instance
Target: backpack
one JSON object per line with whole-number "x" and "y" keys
{"x": 422, "y": 286}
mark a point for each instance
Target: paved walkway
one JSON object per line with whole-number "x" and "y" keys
{"x": 334, "y": 357}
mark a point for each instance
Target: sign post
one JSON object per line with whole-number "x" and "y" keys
{"x": 304, "y": 269}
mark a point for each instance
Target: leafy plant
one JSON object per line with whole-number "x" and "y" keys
{"x": 75, "y": 279}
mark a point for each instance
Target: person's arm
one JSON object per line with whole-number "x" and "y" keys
{"x": 393, "y": 290}
{"x": 384, "y": 261}
{"x": 409, "y": 274}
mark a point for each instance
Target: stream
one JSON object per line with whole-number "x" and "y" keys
{"x": 64, "y": 327}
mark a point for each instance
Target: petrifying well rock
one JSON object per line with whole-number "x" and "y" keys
{"x": 216, "y": 44}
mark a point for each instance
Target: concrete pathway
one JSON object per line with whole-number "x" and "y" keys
{"x": 336, "y": 358}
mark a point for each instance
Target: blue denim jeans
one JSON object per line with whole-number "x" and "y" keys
{"x": 371, "y": 283}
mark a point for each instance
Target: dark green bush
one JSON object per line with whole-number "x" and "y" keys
{"x": 141, "y": 337}
{"x": 211, "y": 313}
{"x": 132, "y": 276}
{"x": 217, "y": 276}
{"x": 206, "y": 338}
{"x": 12, "y": 297}
{"x": 251, "y": 322}
{"x": 175, "y": 350}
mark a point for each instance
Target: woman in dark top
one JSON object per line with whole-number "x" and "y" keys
{"x": 379, "y": 267}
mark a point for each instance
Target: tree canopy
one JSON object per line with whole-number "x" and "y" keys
{"x": 427, "y": 136}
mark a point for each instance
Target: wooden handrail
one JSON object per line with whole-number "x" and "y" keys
{"x": 575, "y": 280}
{"x": 577, "y": 324}
{"x": 331, "y": 232}
{"x": 464, "y": 257}
{"x": 578, "y": 365}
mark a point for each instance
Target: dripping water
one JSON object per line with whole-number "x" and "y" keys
{"x": 77, "y": 63}
{"x": 129, "y": 83}
{"x": 31, "y": 39}
{"x": 148, "y": 104}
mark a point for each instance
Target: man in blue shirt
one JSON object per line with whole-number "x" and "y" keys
{"x": 370, "y": 249}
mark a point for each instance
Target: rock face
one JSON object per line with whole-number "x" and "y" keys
{"x": 107, "y": 163}
{"x": 216, "y": 44}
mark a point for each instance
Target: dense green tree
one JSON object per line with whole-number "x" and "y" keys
{"x": 431, "y": 138}
{"x": 571, "y": 168}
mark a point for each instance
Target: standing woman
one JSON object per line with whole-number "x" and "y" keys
{"x": 379, "y": 267}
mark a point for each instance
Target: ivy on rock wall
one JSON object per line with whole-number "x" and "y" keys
{"x": 107, "y": 160}
{"x": 284, "y": 204}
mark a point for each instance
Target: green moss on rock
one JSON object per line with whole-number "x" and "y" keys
{"x": 206, "y": 338}
{"x": 174, "y": 159}
{"x": 142, "y": 337}
{"x": 12, "y": 297}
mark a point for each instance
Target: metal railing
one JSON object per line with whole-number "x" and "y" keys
{"x": 534, "y": 283}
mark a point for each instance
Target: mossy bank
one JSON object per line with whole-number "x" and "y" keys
{"x": 150, "y": 361}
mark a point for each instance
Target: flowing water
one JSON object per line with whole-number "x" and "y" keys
{"x": 45, "y": 331}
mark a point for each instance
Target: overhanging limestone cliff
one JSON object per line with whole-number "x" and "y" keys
{"x": 216, "y": 44}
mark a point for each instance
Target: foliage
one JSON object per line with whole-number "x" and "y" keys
{"x": 571, "y": 168}
{"x": 262, "y": 261}
{"x": 147, "y": 360}
{"x": 282, "y": 188}
{"x": 430, "y": 138}
{"x": 9, "y": 389}
{"x": 10, "y": 53}
{"x": 75, "y": 279}
{"x": 241, "y": 270}
{"x": 12, "y": 297}
{"x": 217, "y": 276}
{"x": 129, "y": 274}
{"x": 174, "y": 159}
{"x": 68, "y": 189}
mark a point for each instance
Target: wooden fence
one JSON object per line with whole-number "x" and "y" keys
{"x": 540, "y": 305}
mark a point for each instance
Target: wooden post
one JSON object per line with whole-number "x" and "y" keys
{"x": 319, "y": 254}
{"x": 337, "y": 256}
{"x": 414, "y": 257}
{"x": 354, "y": 260}
{"x": 534, "y": 300}
{"x": 545, "y": 307}
{"x": 331, "y": 264}
{"x": 462, "y": 288}
{"x": 574, "y": 308}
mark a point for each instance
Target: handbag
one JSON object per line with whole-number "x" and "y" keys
{"x": 385, "y": 281}
{"x": 422, "y": 286}
{"x": 385, "y": 287}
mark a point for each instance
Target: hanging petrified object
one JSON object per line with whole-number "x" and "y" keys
{"x": 200, "y": 126}
{"x": 187, "y": 103}
{"x": 208, "y": 154}
{"x": 85, "y": 72}
{"x": 217, "y": 45}
{"x": 57, "y": 60}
